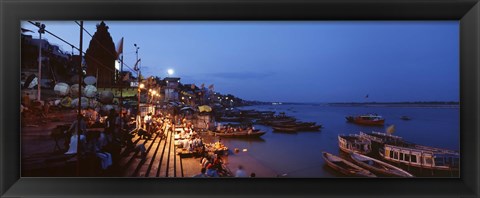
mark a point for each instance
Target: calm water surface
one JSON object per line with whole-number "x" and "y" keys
{"x": 299, "y": 155}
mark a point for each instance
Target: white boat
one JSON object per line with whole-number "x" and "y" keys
{"x": 345, "y": 166}
{"x": 422, "y": 156}
{"x": 381, "y": 138}
{"x": 354, "y": 143}
{"x": 378, "y": 167}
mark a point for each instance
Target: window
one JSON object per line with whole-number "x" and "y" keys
{"x": 395, "y": 155}
{"x": 439, "y": 161}
{"x": 456, "y": 162}
{"x": 407, "y": 157}
{"x": 428, "y": 160}
{"x": 414, "y": 159}
{"x": 391, "y": 154}
{"x": 401, "y": 156}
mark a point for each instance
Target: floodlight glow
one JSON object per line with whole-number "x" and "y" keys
{"x": 170, "y": 71}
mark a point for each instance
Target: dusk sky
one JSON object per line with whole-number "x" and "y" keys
{"x": 315, "y": 61}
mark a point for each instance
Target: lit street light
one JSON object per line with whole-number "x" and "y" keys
{"x": 41, "y": 31}
{"x": 170, "y": 72}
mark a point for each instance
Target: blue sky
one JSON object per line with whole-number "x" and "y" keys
{"x": 314, "y": 61}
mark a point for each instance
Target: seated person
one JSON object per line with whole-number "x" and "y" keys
{"x": 144, "y": 134}
{"x": 211, "y": 172}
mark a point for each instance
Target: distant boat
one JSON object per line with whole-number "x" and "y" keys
{"x": 378, "y": 167}
{"x": 354, "y": 143}
{"x": 368, "y": 119}
{"x": 345, "y": 166}
{"x": 405, "y": 118}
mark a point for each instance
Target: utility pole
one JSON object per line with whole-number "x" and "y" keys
{"x": 80, "y": 78}
{"x": 121, "y": 86}
{"x": 138, "y": 86}
{"x": 41, "y": 31}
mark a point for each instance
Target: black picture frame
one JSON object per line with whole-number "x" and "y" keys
{"x": 12, "y": 12}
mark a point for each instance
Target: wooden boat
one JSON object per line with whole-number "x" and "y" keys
{"x": 382, "y": 138}
{"x": 345, "y": 166}
{"x": 285, "y": 129}
{"x": 230, "y": 119}
{"x": 421, "y": 156}
{"x": 279, "y": 121}
{"x": 242, "y": 134}
{"x": 369, "y": 119}
{"x": 293, "y": 124}
{"x": 309, "y": 128}
{"x": 354, "y": 143}
{"x": 378, "y": 167}
{"x": 297, "y": 128}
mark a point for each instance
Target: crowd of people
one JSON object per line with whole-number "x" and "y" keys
{"x": 212, "y": 166}
{"x": 102, "y": 137}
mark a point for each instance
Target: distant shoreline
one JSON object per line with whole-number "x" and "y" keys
{"x": 372, "y": 104}
{"x": 396, "y": 105}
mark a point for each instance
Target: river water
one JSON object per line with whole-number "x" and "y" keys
{"x": 299, "y": 155}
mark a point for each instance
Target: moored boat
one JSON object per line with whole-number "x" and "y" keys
{"x": 381, "y": 138}
{"x": 345, "y": 166}
{"x": 354, "y": 143}
{"x": 243, "y": 134}
{"x": 378, "y": 167}
{"x": 424, "y": 157}
{"x": 293, "y": 124}
{"x": 230, "y": 119}
{"x": 284, "y": 129}
{"x": 368, "y": 119}
{"x": 278, "y": 121}
{"x": 294, "y": 128}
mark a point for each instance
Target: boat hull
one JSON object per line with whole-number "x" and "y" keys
{"x": 240, "y": 135}
{"x": 372, "y": 120}
{"x": 378, "y": 167}
{"x": 345, "y": 167}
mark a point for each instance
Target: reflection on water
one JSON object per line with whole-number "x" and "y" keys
{"x": 299, "y": 154}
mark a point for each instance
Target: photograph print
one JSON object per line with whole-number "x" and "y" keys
{"x": 254, "y": 99}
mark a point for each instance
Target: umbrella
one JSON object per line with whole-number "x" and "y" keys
{"x": 205, "y": 108}
{"x": 66, "y": 102}
{"x": 187, "y": 109}
{"x": 74, "y": 90}
{"x": 62, "y": 89}
{"x": 84, "y": 102}
{"x": 106, "y": 97}
{"x": 31, "y": 81}
{"x": 90, "y": 80}
{"x": 174, "y": 103}
{"x": 90, "y": 91}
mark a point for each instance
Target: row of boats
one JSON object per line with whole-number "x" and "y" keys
{"x": 279, "y": 123}
{"x": 366, "y": 166}
{"x": 283, "y": 123}
{"x": 392, "y": 149}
